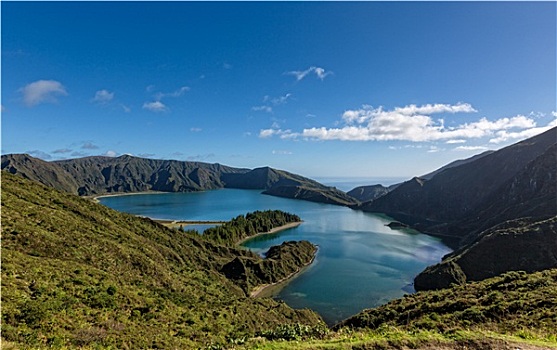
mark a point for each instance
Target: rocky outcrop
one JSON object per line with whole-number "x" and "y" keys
{"x": 518, "y": 245}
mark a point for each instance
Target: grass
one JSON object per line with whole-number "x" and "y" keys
{"x": 76, "y": 274}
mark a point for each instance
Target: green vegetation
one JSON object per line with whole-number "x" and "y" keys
{"x": 281, "y": 262}
{"x": 253, "y": 223}
{"x": 513, "y": 309}
{"x": 515, "y": 303}
{"x": 78, "y": 274}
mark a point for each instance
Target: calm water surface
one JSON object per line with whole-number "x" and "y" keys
{"x": 361, "y": 263}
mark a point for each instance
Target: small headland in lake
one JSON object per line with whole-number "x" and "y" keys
{"x": 254, "y": 273}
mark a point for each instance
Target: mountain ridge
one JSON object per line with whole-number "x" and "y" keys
{"x": 433, "y": 206}
{"x": 99, "y": 175}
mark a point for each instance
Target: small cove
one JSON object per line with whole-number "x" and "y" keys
{"x": 361, "y": 263}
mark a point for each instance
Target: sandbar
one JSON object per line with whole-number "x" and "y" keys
{"x": 271, "y": 231}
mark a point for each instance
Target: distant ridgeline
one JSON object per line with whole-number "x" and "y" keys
{"x": 101, "y": 175}
{"x": 242, "y": 227}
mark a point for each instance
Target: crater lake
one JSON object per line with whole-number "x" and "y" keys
{"x": 361, "y": 263}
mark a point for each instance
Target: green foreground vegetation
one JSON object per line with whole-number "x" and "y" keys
{"x": 76, "y": 274}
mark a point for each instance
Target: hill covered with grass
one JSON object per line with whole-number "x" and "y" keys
{"x": 75, "y": 273}
{"x": 513, "y": 311}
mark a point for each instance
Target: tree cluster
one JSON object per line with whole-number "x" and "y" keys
{"x": 251, "y": 224}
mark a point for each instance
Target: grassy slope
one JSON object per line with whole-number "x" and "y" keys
{"x": 79, "y": 274}
{"x": 515, "y": 310}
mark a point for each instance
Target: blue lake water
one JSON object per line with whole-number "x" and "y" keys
{"x": 361, "y": 263}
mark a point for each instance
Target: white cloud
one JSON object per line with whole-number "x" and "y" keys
{"x": 146, "y": 155}
{"x": 103, "y": 96}
{"x": 265, "y": 133}
{"x": 281, "y": 152}
{"x": 414, "y": 123}
{"x": 226, "y": 65}
{"x": 271, "y": 101}
{"x": 89, "y": 145}
{"x": 176, "y": 93}
{"x": 456, "y": 141}
{"x": 42, "y": 91}
{"x": 504, "y": 135}
{"x": 110, "y": 154}
{"x": 156, "y": 106}
{"x": 554, "y": 113}
{"x": 79, "y": 154}
{"x": 267, "y": 109}
{"x": 284, "y": 134}
{"x": 125, "y": 108}
{"x": 196, "y": 129}
{"x": 471, "y": 148}
{"x": 62, "y": 150}
{"x": 277, "y": 100}
{"x": 319, "y": 72}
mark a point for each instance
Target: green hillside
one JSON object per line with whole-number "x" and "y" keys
{"x": 76, "y": 273}
{"x": 513, "y": 311}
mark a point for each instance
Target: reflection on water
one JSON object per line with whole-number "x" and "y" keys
{"x": 361, "y": 263}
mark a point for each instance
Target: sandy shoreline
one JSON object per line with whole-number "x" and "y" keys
{"x": 274, "y": 230}
{"x": 266, "y": 290}
{"x": 96, "y": 198}
{"x": 186, "y": 223}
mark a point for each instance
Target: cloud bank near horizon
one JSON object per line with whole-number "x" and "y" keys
{"x": 415, "y": 124}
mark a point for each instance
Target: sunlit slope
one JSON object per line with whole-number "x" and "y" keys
{"x": 77, "y": 273}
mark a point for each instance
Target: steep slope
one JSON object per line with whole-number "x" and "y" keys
{"x": 75, "y": 273}
{"x": 454, "y": 164}
{"x": 49, "y": 174}
{"x": 100, "y": 175}
{"x": 309, "y": 192}
{"x": 490, "y": 248}
{"x": 368, "y": 193}
{"x": 456, "y": 193}
{"x": 518, "y": 245}
{"x": 531, "y": 193}
{"x": 132, "y": 174}
{"x": 281, "y": 183}
{"x": 514, "y": 303}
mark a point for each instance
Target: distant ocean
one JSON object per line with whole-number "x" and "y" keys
{"x": 348, "y": 183}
